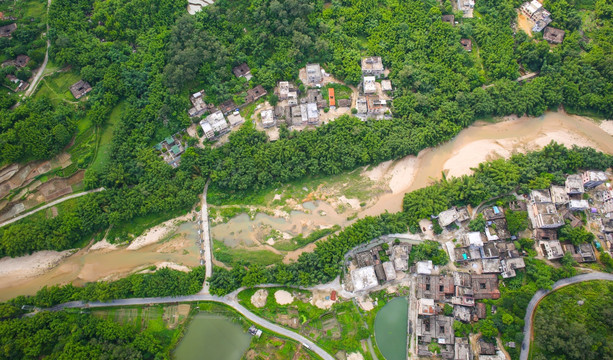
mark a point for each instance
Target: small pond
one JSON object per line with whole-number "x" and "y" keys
{"x": 391, "y": 329}
{"x": 214, "y": 337}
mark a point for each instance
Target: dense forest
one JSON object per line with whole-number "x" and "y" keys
{"x": 575, "y": 323}
{"x": 63, "y": 335}
{"x": 151, "y": 56}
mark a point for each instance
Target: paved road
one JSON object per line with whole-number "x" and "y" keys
{"x": 525, "y": 347}
{"x": 53, "y": 203}
{"x": 34, "y": 83}
{"x": 206, "y": 240}
{"x": 229, "y": 300}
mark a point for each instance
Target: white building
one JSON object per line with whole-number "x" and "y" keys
{"x": 218, "y": 122}
{"x": 372, "y": 66}
{"x": 208, "y": 129}
{"x": 593, "y": 178}
{"x": 312, "y": 113}
{"x": 370, "y": 84}
{"x": 268, "y": 119}
{"x": 313, "y": 72}
{"x": 364, "y": 278}
{"x": 235, "y": 119}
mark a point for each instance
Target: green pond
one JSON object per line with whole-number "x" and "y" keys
{"x": 391, "y": 329}
{"x": 213, "y": 337}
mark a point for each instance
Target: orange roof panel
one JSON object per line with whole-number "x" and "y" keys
{"x": 331, "y": 97}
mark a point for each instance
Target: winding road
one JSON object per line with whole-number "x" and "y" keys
{"x": 53, "y": 203}
{"x": 229, "y": 300}
{"x": 528, "y": 319}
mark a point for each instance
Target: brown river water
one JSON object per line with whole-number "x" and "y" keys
{"x": 480, "y": 142}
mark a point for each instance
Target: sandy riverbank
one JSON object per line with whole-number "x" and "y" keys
{"x": 31, "y": 265}
{"x": 157, "y": 233}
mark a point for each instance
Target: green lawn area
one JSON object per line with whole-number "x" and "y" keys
{"x": 229, "y": 255}
{"x": 57, "y": 86}
{"x": 337, "y": 329}
{"x": 35, "y": 8}
{"x": 128, "y": 230}
{"x": 104, "y": 143}
{"x": 340, "y": 91}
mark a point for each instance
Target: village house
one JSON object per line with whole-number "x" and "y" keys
{"x": 218, "y": 123}
{"x": 386, "y": 85}
{"x": 22, "y": 60}
{"x": 467, "y": 44}
{"x": 543, "y": 212}
{"x": 299, "y": 116}
{"x": 551, "y": 249}
{"x": 390, "y": 272}
{"x": 331, "y": 99}
{"x": 450, "y": 19}
{"x": 508, "y": 266}
{"x": 268, "y": 119}
{"x": 439, "y": 329}
{"x": 591, "y": 178}
{"x": 344, "y": 103}
{"x": 235, "y": 119}
{"x": 171, "y": 149}
{"x": 364, "y": 278}
{"x": 227, "y": 107}
{"x": 581, "y": 253}
{"x": 80, "y": 88}
{"x": 493, "y": 213}
{"x": 372, "y": 66}
{"x": 578, "y": 205}
{"x": 485, "y": 286}
{"x": 535, "y": 11}
{"x": 242, "y": 71}
{"x": 462, "y": 313}
{"x": 466, "y": 6}
{"x": 199, "y": 106}
{"x": 376, "y": 105}
{"x": 426, "y": 307}
{"x": 369, "y": 85}
{"x": 400, "y": 256}
{"x": 559, "y": 195}
{"x": 255, "y": 94}
{"x": 553, "y": 35}
{"x": 283, "y": 90}
{"x": 312, "y": 114}
{"x": 314, "y": 76}
{"x": 447, "y": 217}
{"x": 462, "y": 349}
{"x": 574, "y": 184}
{"x": 208, "y": 129}
{"x": 7, "y": 30}
{"x": 361, "y": 105}
{"x": 314, "y": 96}
{"x": 434, "y": 287}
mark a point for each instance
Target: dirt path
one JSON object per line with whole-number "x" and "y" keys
{"x": 53, "y": 203}
{"x": 41, "y": 70}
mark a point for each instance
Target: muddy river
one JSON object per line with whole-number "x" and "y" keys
{"x": 480, "y": 142}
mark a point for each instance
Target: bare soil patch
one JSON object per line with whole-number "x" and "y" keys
{"x": 259, "y": 298}
{"x": 283, "y": 297}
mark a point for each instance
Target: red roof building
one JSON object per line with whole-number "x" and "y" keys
{"x": 331, "y": 98}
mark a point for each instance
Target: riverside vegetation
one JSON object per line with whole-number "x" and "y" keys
{"x": 141, "y": 55}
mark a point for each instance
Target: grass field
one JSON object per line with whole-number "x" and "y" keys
{"x": 104, "y": 143}
{"x": 128, "y": 230}
{"x": 351, "y": 184}
{"x": 35, "y": 8}
{"x": 57, "y": 86}
{"x": 230, "y": 255}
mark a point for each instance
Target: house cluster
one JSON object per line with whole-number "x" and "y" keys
{"x": 373, "y": 103}
{"x": 549, "y": 209}
{"x": 535, "y": 11}
{"x": 7, "y": 30}
{"x": 377, "y": 265}
{"x": 171, "y": 149}
{"x": 217, "y": 124}
{"x": 459, "y": 290}
{"x": 80, "y": 88}
{"x": 467, "y": 7}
